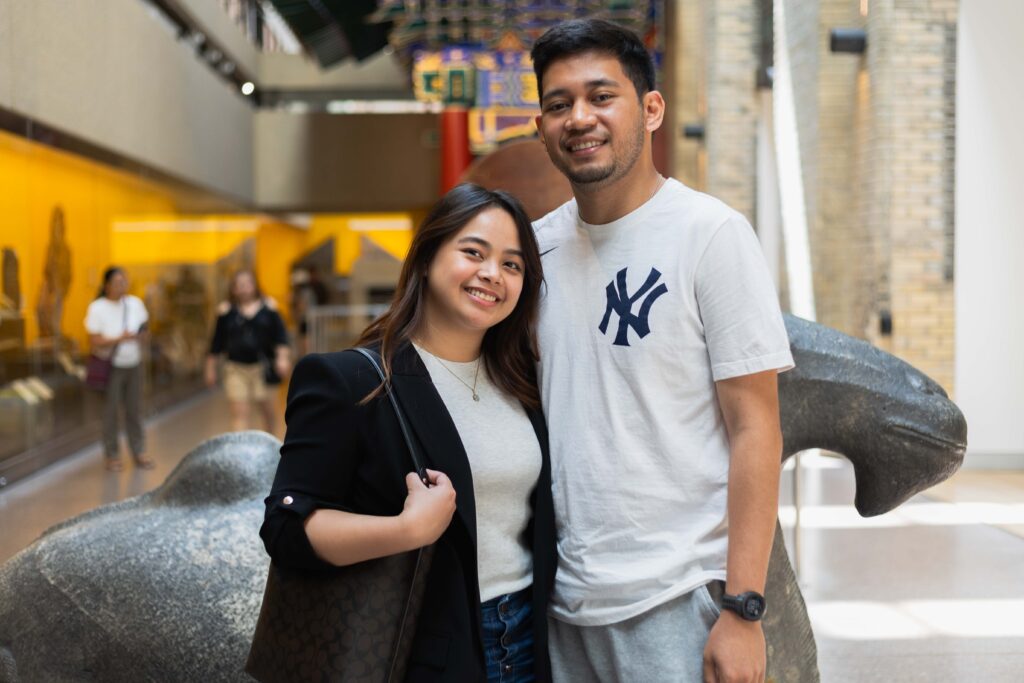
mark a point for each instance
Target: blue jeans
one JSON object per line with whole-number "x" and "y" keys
{"x": 508, "y": 637}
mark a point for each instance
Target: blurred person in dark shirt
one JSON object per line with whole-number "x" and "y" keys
{"x": 251, "y": 334}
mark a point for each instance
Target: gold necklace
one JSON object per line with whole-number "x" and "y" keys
{"x": 476, "y": 375}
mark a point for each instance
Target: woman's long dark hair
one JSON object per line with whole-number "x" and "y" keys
{"x": 509, "y": 348}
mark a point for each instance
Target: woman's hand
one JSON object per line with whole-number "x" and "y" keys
{"x": 282, "y": 361}
{"x": 210, "y": 371}
{"x": 428, "y": 511}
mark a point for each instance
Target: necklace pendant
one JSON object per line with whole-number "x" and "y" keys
{"x": 475, "y": 397}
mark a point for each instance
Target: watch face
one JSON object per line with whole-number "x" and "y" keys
{"x": 753, "y": 607}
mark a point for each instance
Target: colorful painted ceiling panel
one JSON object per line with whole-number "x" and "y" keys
{"x": 501, "y": 24}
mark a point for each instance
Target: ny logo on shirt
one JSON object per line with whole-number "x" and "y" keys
{"x": 621, "y": 303}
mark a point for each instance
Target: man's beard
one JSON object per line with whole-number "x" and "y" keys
{"x": 605, "y": 175}
{"x": 588, "y": 176}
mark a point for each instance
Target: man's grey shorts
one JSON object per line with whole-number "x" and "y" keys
{"x": 665, "y": 644}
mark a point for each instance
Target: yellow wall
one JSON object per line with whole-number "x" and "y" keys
{"x": 176, "y": 239}
{"x": 277, "y": 247}
{"x": 392, "y": 232}
{"x": 33, "y": 180}
{"x": 115, "y": 217}
{"x": 171, "y": 239}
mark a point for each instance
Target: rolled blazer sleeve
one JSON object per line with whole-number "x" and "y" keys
{"x": 318, "y": 460}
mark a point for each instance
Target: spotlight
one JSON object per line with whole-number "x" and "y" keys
{"x": 248, "y": 88}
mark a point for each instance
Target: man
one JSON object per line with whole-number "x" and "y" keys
{"x": 661, "y": 338}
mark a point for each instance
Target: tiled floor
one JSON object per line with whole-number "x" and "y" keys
{"x": 929, "y": 592}
{"x": 933, "y": 591}
{"x": 80, "y": 483}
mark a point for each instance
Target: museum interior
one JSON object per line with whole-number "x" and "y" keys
{"x": 874, "y": 145}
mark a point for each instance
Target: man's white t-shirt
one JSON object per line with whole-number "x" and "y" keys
{"x": 111, "y": 319}
{"x": 639, "y": 319}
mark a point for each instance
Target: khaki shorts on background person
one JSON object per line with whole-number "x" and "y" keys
{"x": 244, "y": 381}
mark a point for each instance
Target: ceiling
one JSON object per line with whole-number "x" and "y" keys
{"x": 335, "y": 30}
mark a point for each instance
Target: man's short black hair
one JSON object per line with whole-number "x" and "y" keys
{"x": 577, "y": 36}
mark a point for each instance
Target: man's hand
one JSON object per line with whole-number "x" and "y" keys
{"x": 735, "y": 651}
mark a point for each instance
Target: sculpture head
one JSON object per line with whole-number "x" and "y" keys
{"x": 896, "y": 425}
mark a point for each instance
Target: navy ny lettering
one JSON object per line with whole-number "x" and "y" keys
{"x": 621, "y": 303}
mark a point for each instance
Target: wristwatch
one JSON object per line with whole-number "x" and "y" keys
{"x": 749, "y": 605}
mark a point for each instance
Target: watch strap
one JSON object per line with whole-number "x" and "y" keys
{"x": 738, "y": 604}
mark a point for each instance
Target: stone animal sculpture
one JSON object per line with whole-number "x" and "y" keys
{"x": 167, "y": 586}
{"x": 896, "y": 426}
{"x": 162, "y": 587}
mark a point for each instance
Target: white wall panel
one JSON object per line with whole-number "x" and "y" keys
{"x": 990, "y": 230}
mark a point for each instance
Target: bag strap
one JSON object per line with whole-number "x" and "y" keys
{"x": 374, "y": 359}
{"x": 124, "y": 328}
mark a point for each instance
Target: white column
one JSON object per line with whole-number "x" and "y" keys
{"x": 791, "y": 179}
{"x": 769, "y": 222}
{"x": 989, "y": 276}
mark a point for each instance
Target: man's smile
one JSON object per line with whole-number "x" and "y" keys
{"x": 583, "y": 147}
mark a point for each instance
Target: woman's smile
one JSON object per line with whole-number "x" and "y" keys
{"x": 483, "y": 296}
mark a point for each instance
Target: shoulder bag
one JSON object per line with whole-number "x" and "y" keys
{"x": 98, "y": 368}
{"x": 353, "y": 624}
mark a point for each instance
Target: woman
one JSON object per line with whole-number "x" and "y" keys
{"x": 458, "y": 346}
{"x": 253, "y": 337}
{"x": 115, "y": 322}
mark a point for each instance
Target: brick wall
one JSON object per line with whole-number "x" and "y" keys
{"x": 877, "y": 142}
{"x": 843, "y": 279}
{"x": 685, "y": 89}
{"x": 908, "y": 176}
{"x": 713, "y": 45}
{"x": 731, "y": 44}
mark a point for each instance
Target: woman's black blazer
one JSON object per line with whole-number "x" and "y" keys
{"x": 341, "y": 455}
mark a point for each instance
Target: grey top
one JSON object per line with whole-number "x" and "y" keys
{"x": 505, "y": 460}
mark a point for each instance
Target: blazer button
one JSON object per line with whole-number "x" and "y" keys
{"x": 288, "y": 500}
